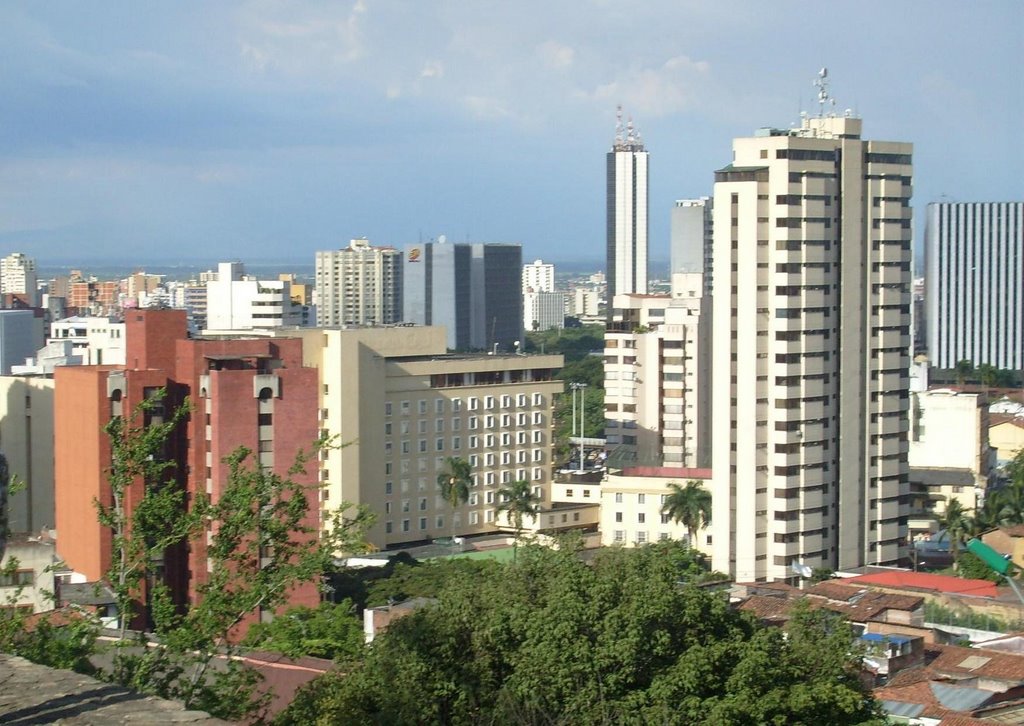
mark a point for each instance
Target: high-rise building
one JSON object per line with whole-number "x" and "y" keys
{"x": 543, "y": 310}
{"x": 974, "y": 283}
{"x": 472, "y": 290}
{"x": 812, "y": 237}
{"x": 538, "y": 276}
{"x": 26, "y": 439}
{"x": 359, "y": 285}
{"x": 245, "y": 391}
{"x": 627, "y": 213}
{"x": 237, "y": 301}
{"x": 657, "y": 350}
{"x": 18, "y": 277}
{"x": 21, "y": 335}
{"x": 691, "y": 238}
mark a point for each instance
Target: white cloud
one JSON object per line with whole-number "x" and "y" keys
{"x": 485, "y": 107}
{"x": 432, "y": 69}
{"x": 556, "y": 55}
{"x": 674, "y": 86}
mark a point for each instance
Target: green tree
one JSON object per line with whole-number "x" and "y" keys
{"x": 689, "y": 505}
{"x": 956, "y": 524}
{"x": 549, "y": 639}
{"x": 987, "y": 374}
{"x": 331, "y": 630}
{"x": 963, "y": 369}
{"x": 519, "y": 501}
{"x": 454, "y": 481}
{"x": 261, "y": 543}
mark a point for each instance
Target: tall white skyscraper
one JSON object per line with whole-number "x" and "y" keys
{"x": 627, "y": 213}
{"x": 18, "y": 277}
{"x": 359, "y": 285}
{"x": 812, "y": 235}
{"x": 974, "y": 284}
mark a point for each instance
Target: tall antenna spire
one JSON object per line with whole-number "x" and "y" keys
{"x": 627, "y": 138}
{"x": 821, "y": 83}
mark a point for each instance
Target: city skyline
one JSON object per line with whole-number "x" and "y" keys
{"x": 194, "y": 130}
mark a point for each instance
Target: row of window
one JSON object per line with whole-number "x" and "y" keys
{"x": 489, "y": 441}
{"x": 473, "y": 403}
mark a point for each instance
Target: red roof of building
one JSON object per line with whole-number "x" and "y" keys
{"x": 926, "y": 581}
{"x": 668, "y": 472}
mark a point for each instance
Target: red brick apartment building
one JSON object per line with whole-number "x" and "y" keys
{"x": 251, "y": 392}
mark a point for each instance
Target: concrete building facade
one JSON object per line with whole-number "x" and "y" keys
{"x": 657, "y": 378}
{"x": 691, "y": 238}
{"x": 627, "y": 209}
{"x": 359, "y": 285}
{"x": 812, "y": 237}
{"x": 96, "y": 340}
{"x": 399, "y": 405}
{"x": 26, "y": 440}
{"x": 974, "y": 297}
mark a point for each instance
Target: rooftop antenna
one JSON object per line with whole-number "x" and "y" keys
{"x": 821, "y": 83}
{"x": 618, "y": 125}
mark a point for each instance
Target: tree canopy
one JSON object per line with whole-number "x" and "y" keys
{"x": 551, "y": 640}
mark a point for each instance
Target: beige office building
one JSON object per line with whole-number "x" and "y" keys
{"x": 359, "y": 285}
{"x": 656, "y": 380}
{"x": 26, "y": 439}
{"x": 400, "y": 405}
{"x": 812, "y": 235}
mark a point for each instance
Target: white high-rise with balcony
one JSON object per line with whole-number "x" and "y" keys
{"x": 812, "y": 235}
{"x": 18, "y": 276}
{"x": 626, "y": 213}
{"x": 359, "y": 285}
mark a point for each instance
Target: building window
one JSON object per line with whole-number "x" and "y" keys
{"x": 620, "y": 535}
{"x": 423, "y": 522}
{"x": 423, "y": 504}
{"x": 618, "y": 497}
{"x": 405, "y": 408}
{"x": 641, "y": 518}
{"x": 388, "y": 527}
{"x": 405, "y": 525}
{"x": 641, "y": 498}
{"x": 422, "y": 406}
{"x": 387, "y": 412}
{"x": 618, "y": 516}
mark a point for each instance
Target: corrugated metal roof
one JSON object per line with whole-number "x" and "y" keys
{"x": 899, "y": 708}
{"x": 959, "y": 698}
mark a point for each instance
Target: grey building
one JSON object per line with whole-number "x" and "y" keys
{"x": 974, "y": 283}
{"x": 473, "y": 290}
{"x": 691, "y": 238}
{"x": 21, "y": 335}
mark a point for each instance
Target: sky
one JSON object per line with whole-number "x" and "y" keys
{"x": 193, "y": 131}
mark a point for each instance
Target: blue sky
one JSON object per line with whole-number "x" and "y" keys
{"x": 267, "y": 130}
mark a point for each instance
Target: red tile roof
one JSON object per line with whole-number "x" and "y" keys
{"x": 954, "y": 660}
{"x": 927, "y": 581}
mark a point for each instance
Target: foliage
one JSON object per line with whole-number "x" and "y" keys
{"x": 455, "y": 480}
{"x": 142, "y": 531}
{"x": 956, "y": 524}
{"x": 821, "y": 574}
{"x": 1015, "y": 469}
{"x": 261, "y": 543}
{"x": 963, "y": 370}
{"x": 690, "y": 505}
{"x": 589, "y": 370}
{"x": 937, "y": 613}
{"x": 328, "y": 631}
{"x": 426, "y": 579}
{"x": 575, "y": 343}
{"x": 593, "y": 416}
{"x": 970, "y": 566}
{"x": 549, "y": 639}
{"x": 519, "y": 501}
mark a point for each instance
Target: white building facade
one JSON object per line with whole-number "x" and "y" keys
{"x": 236, "y": 301}
{"x": 812, "y": 237}
{"x": 358, "y": 285}
{"x": 18, "y": 277}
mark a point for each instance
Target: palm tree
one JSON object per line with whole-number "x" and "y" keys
{"x": 956, "y": 523}
{"x": 963, "y": 369}
{"x": 518, "y": 500}
{"x": 454, "y": 481}
{"x": 690, "y": 505}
